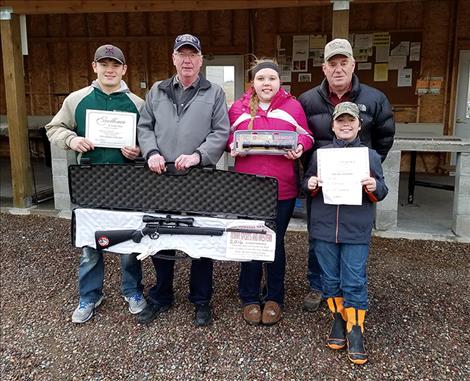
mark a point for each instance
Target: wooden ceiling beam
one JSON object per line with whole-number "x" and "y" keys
{"x": 31, "y": 7}
{"x": 98, "y": 6}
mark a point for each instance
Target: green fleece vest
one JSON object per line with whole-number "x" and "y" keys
{"x": 98, "y": 100}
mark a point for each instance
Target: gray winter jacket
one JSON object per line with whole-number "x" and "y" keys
{"x": 202, "y": 126}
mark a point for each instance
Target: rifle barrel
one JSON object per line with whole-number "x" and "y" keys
{"x": 242, "y": 230}
{"x": 150, "y": 229}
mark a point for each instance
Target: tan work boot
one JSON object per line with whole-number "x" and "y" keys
{"x": 312, "y": 301}
{"x": 355, "y": 335}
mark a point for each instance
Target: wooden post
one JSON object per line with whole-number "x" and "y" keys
{"x": 16, "y": 112}
{"x": 340, "y": 19}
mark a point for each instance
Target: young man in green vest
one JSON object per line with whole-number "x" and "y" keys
{"x": 67, "y": 130}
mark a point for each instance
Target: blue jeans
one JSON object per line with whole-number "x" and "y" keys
{"x": 252, "y": 272}
{"x": 344, "y": 271}
{"x": 91, "y": 275}
{"x": 200, "y": 283}
{"x": 313, "y": 267}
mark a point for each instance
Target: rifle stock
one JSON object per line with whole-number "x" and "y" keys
{"x": 106, "y": 238}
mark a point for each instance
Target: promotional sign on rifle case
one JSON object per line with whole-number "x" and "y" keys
{"x": 204, "y": 212}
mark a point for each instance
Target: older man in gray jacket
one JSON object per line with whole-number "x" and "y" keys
{"x": 185, "y": 122}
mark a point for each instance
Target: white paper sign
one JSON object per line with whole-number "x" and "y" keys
{"x": 381, "y": 53}
{"x": 341, "y": 171}
{"x": 111, "y": 129}
{"x": 396, "y": 62}
{"x": 300, "y": 47}
{"x": 364, "y": 66}
{"x": 415, "y": 51}
{"x": 286, "y": 73}
{"x": 402, "y": 49}
{"x": 363, "y": 41}
{"x": 405, "y": 76}
{"x": 251, "y": 246}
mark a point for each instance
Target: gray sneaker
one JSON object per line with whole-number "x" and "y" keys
{"x": 85, "y": 311}
{"x": 312, "y": 301}
{"x": 136, "y": 302}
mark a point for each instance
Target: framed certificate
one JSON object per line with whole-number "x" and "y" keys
{"x": 111, "y": 129}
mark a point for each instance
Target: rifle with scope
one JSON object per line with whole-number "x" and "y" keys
{"x": 156, "y": 226}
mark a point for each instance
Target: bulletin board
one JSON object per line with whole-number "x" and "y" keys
{"x": 398, "y": 95}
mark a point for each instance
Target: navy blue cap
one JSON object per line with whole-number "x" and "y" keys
{"x": 187, "y": 39}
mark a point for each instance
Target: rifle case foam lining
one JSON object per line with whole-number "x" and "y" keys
{"x": 200, "y": 191}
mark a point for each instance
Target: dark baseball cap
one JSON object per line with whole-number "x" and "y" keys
{"x": 110, "y": 51}
{"x": 187, "y": 39}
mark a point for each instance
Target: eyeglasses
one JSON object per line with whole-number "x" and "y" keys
{"x": 191, "y": 56}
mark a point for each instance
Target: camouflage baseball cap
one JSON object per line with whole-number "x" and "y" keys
{"x": 346, "y": 108}
{"x": 338, "y": 46}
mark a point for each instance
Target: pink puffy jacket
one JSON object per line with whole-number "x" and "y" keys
{"x": 284, "y": 114}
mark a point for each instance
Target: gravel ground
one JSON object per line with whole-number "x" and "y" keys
{"x": 417, "y": 327}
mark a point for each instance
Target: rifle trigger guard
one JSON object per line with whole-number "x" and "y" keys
{"x": 155, "y": 235}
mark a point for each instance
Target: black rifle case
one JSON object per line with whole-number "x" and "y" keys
{"x": 203, "y": 191}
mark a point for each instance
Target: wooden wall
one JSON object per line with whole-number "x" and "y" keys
{"x": 61, "y": 47}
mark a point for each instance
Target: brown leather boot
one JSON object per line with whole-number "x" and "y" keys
{"x": 355, "y": 335}
{"x": 252, "y": 314}
{"x": 337, "y": 338}
{"x": 272, "y": 313}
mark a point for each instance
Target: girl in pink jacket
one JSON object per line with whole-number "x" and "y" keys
{"x": 267, "y": 106}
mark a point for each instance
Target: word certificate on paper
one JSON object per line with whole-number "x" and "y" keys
{"x": 341, "y": 171}
{"x": 111, "y": 129}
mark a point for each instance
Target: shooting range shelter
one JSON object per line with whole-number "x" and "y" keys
{"x": 59, "y": 40}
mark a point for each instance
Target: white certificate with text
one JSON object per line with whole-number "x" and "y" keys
{"x": 111, "y": 129}
{"x": 341, "y": 171}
